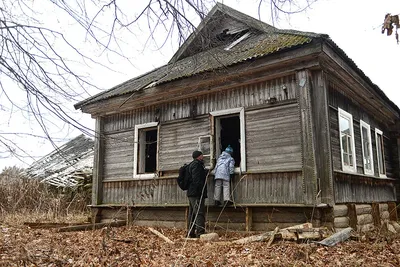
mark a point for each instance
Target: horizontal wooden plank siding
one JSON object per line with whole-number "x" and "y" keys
{"x": 268, "y": 188}
{"x": 359, "y": 189}
{"x": 338, "y": 100}
{"x": 273, "y": 139}
{"x": 179, "y": 140}
{"x": 243, "y": 96}
{"x": 118, "y": 156}
{"x": 154, "y": 191}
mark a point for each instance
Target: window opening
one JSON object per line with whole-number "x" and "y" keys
{"x": 347, "y": 141}
{"x": 145, "y": 150}
{"x": 366, "y": 148}
{"x": 228, "y": 130}
{"x": 150, "y": 151}
{"x": 380, "y": 152}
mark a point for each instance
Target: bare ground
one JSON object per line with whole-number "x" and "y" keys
{"x": 137, "y": 246}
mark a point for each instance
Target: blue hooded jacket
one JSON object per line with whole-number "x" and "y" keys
{"x": 225, "y": 166}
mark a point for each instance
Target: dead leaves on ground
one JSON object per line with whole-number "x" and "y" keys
{"x": 107, "y": 247}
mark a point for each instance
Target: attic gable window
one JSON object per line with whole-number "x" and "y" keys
{"x": 232, "y": 36}
{"x": 380, "y": 153}
{"x": 347, "y": 146}
{"x": 366, "y": 143}
{"x": 145, "y": 151}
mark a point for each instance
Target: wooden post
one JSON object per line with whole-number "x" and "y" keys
{"x": 96, "y": 215}
{"x": 97, "y": 187}
{"x": 320, "y": 117}
{"x": 351, "y": 212}
{"x": 392, "y": 211}
{"x": 376, "y": 217}
{"x": 310, "y": 186}
{"x": 249, "y": 218}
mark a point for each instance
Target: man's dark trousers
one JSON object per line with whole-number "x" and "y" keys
{"x": 196, "y": 220}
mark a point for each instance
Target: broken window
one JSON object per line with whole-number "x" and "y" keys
{"x": 145, "y": 150}
{"x": 229, "y": 130}
{"x": 368, "y": 162}
{"x": 380, "y": 153}
{"x": 347, "y": 141}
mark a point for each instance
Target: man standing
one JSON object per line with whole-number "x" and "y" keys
{"x": 197, "y": 193}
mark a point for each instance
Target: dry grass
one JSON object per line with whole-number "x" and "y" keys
{"x": 23, "y": 199}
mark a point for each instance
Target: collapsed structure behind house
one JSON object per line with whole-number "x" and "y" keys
{"x": 65, "y": 166}
{"x": 314, "y": 139}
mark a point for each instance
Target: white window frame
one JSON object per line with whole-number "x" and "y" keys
{"x": 138, "y": 127}
{"x": 211, "y": 154}
{"x": 368, "y": 128}
{"x": 233, "y": 111}
{"x": 348, "y": 116}
{"x": 379, "y": 132}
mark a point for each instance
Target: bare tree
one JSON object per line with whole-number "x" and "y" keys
{"x": 41, "y": 66}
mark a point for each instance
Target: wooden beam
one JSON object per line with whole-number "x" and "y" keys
{"x": 376, "y": 214}
{"x": 97, "y": 187}
{"x": 90, "y": 226}
{"x": 310, "y": 186}
{"x": 249, "y": 219}
{"x": 352, "y": 214}
{"x": 321, "y": 129}
{"x": 392, "y": 211}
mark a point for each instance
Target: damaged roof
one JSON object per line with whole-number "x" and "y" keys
{"x": 65, "y": 166}
{"x": 224, "y": 38}
{"x": 257, "y": 39}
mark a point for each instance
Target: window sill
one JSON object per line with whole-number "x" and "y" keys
{"x": 366, "y": 175}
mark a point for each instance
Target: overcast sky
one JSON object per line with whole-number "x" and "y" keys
{"x": 355, "y": 26}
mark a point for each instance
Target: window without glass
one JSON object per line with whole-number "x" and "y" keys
{"x": 380, "y": 153}
{"x": 347, "y": 141}
{"x": 366, "y": 148}
{"x": 145, "y": 150}
{"x": 229, "y": 130}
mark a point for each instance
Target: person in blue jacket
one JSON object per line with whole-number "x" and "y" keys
{"x": 224, "y": 168}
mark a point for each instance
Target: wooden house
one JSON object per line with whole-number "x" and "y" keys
{"x": 314, "y": 138}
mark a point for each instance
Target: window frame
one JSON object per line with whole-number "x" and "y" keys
{"x": 368, "y": 127}
{"x": 139, "y": 127}
{"x": 233, "y": 111}
{"x": 379, "y": 132}
{"x": 348, "y": 116}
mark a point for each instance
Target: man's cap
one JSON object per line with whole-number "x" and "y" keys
{"x": 196, "y": 154}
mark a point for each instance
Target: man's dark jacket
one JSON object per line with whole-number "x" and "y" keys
{"x": 198, "y": 174}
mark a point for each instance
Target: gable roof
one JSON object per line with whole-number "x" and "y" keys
{"x": 194, "y": 57}
{"x": 65, "y": 166}
{"x": 203, "y": 52}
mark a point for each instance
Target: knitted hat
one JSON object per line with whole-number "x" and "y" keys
{"x": 196, "y": 154}
{"x": 229, "y": 149}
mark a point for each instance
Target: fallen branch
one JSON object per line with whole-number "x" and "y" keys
{"x": 254, "y": 238}
{"x": 337, "y": 237}
{"x": 157, "y": 233}
{"x": 91, "y": 226}
{"x": 271, "y": 239}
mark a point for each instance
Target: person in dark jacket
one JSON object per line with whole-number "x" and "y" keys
{"x": 197, "y": 193}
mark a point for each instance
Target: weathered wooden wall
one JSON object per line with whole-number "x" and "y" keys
{"x": 250, "y": 189}
{"x": 273, "y": 139}
{"x": 358, "y": 187}
{"x": 178, "y": 140}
